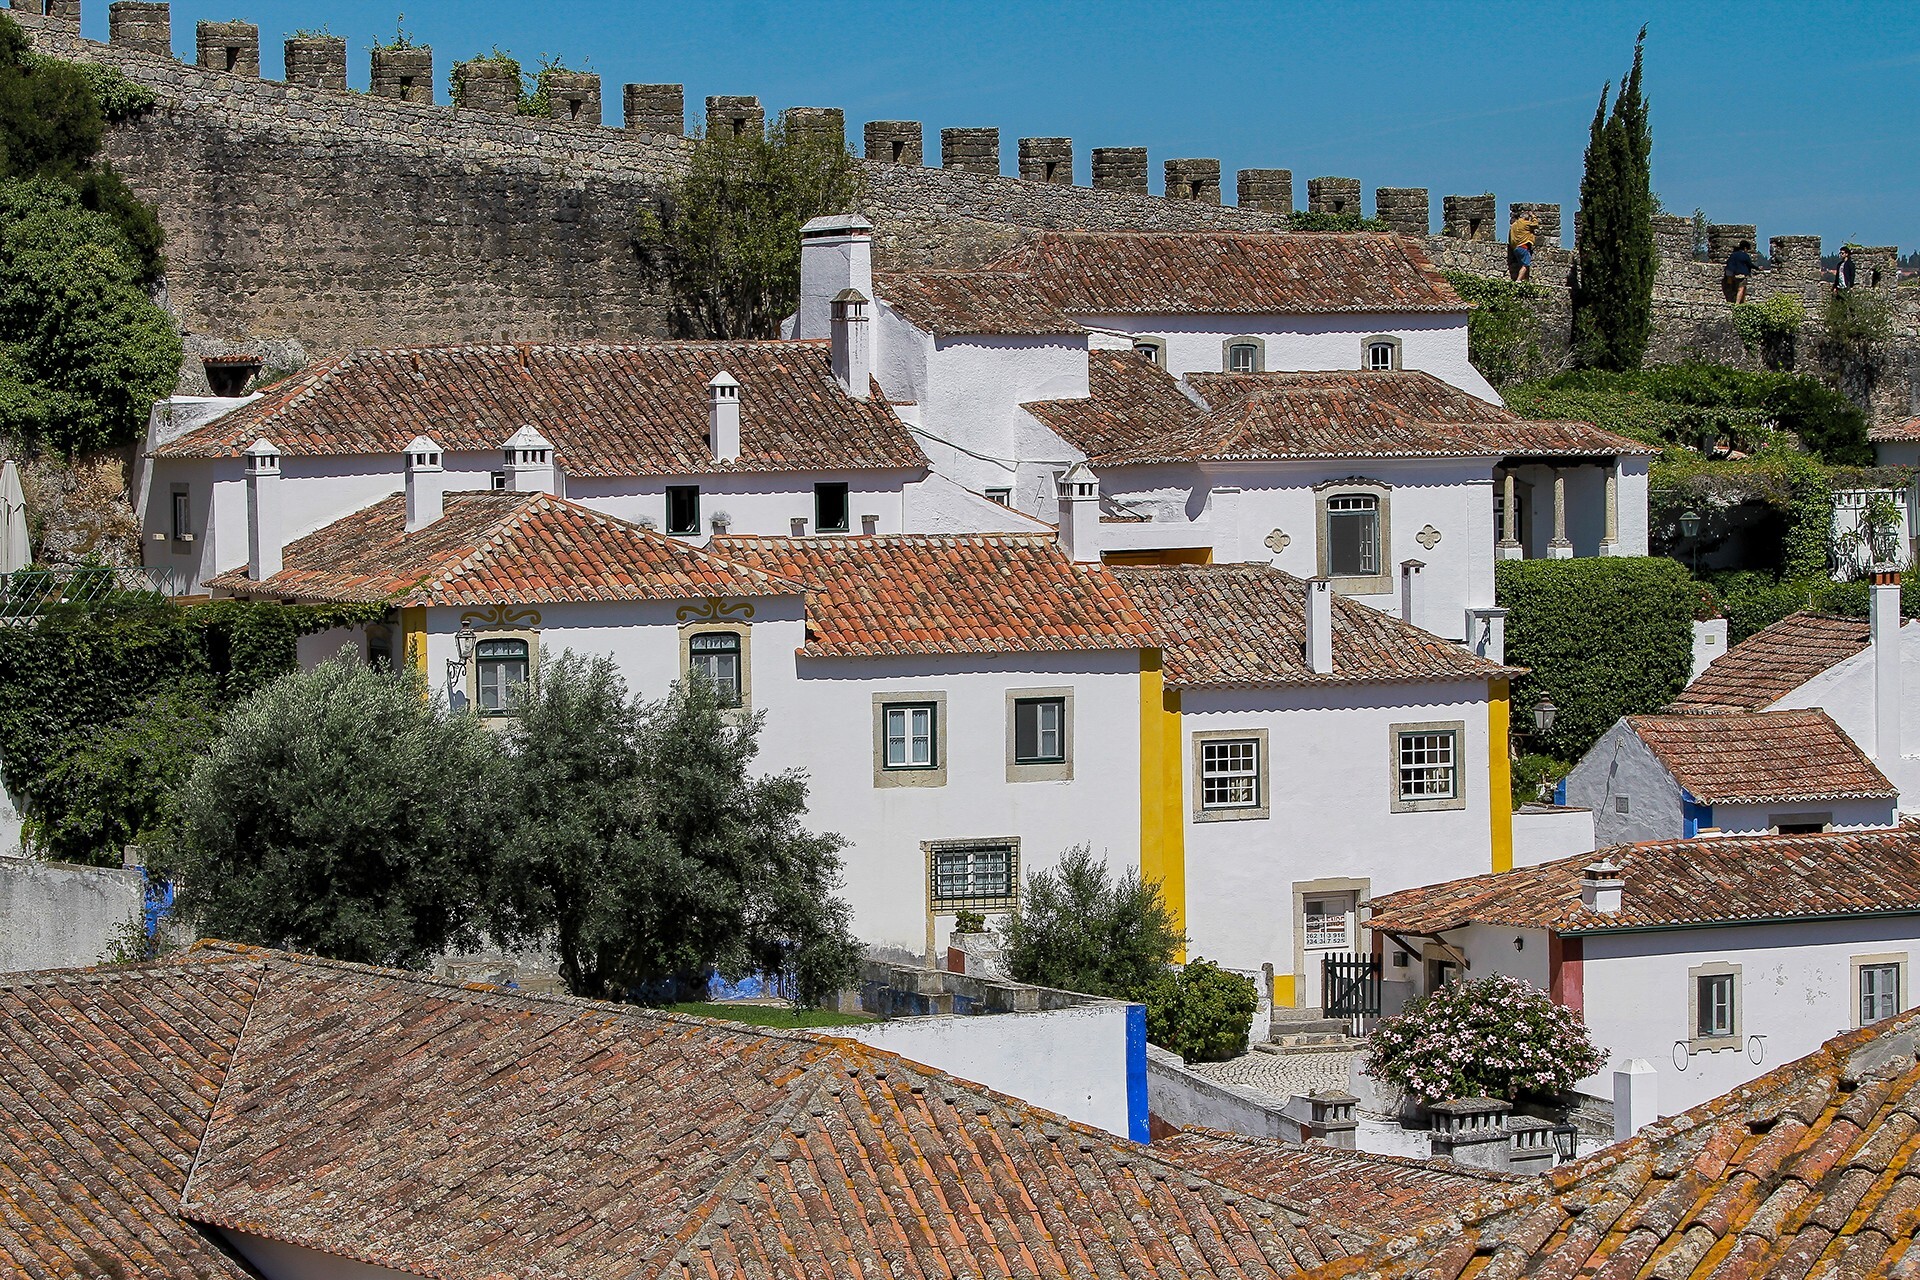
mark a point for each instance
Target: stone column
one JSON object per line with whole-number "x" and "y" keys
{"x": 1610, "y": 541}
{"x": 1560, "y": 548}
{"x": 1510, "y": 548}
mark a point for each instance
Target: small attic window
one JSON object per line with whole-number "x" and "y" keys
{"x": 1152, "y": 350}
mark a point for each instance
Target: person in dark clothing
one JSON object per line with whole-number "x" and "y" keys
{"x": 1843, "y": 274}
{"x": 1739, "y": 266}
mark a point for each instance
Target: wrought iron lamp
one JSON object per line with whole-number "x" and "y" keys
{"x": 463, "y": 643}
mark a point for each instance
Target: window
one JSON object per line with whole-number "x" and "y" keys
{"x": 1002, "y": 496}
{"x": 830, "y": 508}
{"x": 1243, "y": 357}
{"x": 1427, "y": 766}
{"x": 683, "y": 509}
{"x": 1800, "y": 824}
{"x": 972, "y": 875}
{"x": 182, "y": 514}
{"x": 912, "y": 736}
{"x": 501, "y": 667}
{"x": 715, "y": 656}
{"x": 1039, "y": 730}
{"x": 1713, "y": 1010}
{"x": 1152, "y": 350}
{"x": 1326, "y": 923}
{"x": 1353, "y": 535}
{"x": 1879, "y": 988}
{"x": 1382, "y": 353}
{"x": 498, "y": 479}
{"x": 1230, "y": 774}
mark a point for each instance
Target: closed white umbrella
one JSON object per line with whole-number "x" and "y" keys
{"x": 15, "y": 553}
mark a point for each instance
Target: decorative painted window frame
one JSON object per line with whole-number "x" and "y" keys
{"x": 1458, "y": 800}
{"x": 1259, "y": 346}
{"x": 934, "y": 777}
{"x": 1042, "y": 771}
{"x": 470, "y": 679}
{"x": 1697, "y": 1043}
{"x": 1374, "y": 584}
{"x": 1856, "y": 963}
{"x": 1367, "y": 345}
{"x": 742, "y": 629}
{"x": 1197, "y": 771}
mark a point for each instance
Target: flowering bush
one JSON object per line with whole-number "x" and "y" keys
{"x": 1498, "y": 1037}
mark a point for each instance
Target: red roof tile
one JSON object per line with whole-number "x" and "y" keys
{"x": 633, "y": 409}
{"x": 1763, "y": 757}
{"x": 1771, "y": 663}
{"x": 1806, "y": 1172}
{"x": 1137, "y": 415}
{"x": 1245, "y": 624}
{"x": 961, "y": 303}
{"x": 1718, "y": 880}
{"x": 1896, "y": 432}
{"x": 497, "y": 548}
{"x": 929, "y": 593}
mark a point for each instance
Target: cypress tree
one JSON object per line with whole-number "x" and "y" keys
{"x": 1613, "y": 291}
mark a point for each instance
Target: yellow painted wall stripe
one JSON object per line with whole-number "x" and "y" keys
{"x": 413, "y": 638}
{"x": 1283, "y": 996}
{"x": 1163, "y": 844}
{"x": 1499, "y": 775}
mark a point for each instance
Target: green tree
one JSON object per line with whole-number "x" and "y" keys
{"x": 117, "y": 785}
{"x": 1080, "y": 928}
{"x": 726, "y": 237}
{"x": 1613, "y": 288}
{"x": 1201, "y": 1012}
{"x": 643, "y": 848}
{"x": 340, "y": 812}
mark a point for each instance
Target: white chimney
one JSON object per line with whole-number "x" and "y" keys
{"x": 1413, "y": 591}
{"x": 1079, "y": 496}
{"x": 836, "y": 253}
{"x": 1223, "y": 519}
{"x": 723, "y": 416}
{"x": 426, "y": 493}
{"x": 852, "y": 344}
{"x": 263, "y": 509}
{"x": 529, "y": 462}
{"x": 1320, "y": 626}
{"x": 1884, "y": 624}
{"x": 1601, "y": 887}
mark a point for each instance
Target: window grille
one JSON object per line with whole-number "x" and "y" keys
{"x": 973, "y": 876}
{"x": 1230, "y": 773}
{"x": 1428, "y": 766}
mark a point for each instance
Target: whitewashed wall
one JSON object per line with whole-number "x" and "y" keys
{"x": 1845, "y": 815}
{"x": 1545, "y": 833}
{"x": 1621, "y": 766}
{"x": 1845, "y": 692}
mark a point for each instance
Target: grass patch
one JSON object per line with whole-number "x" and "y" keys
{"x": 769, "y": 1015}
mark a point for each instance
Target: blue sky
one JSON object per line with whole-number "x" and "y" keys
{"x": 1801, "y": 118}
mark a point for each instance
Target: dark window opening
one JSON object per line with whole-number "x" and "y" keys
{"x": 182, "y": 516}
{"x": 683, "y": 508}
{"x": 233, "y": 57}
{"x": 1353, "y": 536}
{"x": 830, "y": 508}
{"x": 1052, "y": 166}
{"x": 899, "y": 151}
{"x": 1040, "y": 731}
{"x": 573, "y": 108}
{"x": 498, "y": 479}
{"x": 406, "y": 88}
{"x": 715, "y": 657}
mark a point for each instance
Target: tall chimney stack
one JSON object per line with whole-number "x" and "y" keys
{"x": 836, "y": 253}
{"x": 1884, "y": 625}
{"x": 1320, "y": 626}
{"x": 529, "y": 462}
{"x": 852, "y": 344}
{"x": 1413, "y": 590}
{"x": 426, "y": 495}
{"x": 1079, "y": 496}
{"x": 263, "y": 509}
{"x": 723, "y": 416}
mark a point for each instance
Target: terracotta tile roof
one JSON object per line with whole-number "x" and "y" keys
{"x": 962, "y": 303}
{"x": 1806, "y": 1172}
{"x": 464, "y": 1132}
{"x": 1137, "y": 415}
{"x": 934, "y": 593}
{"x": 1763, "y": 757}
{"x": 497, "y": 548}
{"x": 1230, "y": 625}
{"x": 1771, "y": 663}
{"x": 1387, "y": 1193}
{"x": 1896, "y": 432}
{"x": 1717, "y": 880}
{"x": 633, "y": 409}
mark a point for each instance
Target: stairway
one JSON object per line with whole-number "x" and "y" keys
{"x": 1305, "y": 1030}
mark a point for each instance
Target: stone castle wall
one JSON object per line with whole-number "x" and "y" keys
{"x": 344, "y": 219}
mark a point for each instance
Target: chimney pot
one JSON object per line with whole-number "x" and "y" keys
{"x": 1602, "y": 887}
{"x": 723, "y": 416}
{"x": 1320, "y": 625}
{"x": 426, "y": 495}
{"x": 264, "y": 545}
{"x": 852, "y": 344}
{"x": 1884, "y": 626}
{"x": 1079, "y": 495}
{"x": 1412, "y": 591}
{"x": 529, "y": 462}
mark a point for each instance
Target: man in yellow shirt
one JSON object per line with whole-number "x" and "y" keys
{"x": 1520, "y": 238}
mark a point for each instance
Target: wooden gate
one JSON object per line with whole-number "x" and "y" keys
{"x": 1350, "y": 985}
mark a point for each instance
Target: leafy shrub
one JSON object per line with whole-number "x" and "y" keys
{"x": 1769, "y": 326}
{"x": 1503, "y": 331}
{"x": 1496, "y": 1037}
{"x": 969, "y": 922}
{"x": 1603, "y": 638}
{"x": 1792, "y": 538}
{"x": 1534, "y": 775}
{"x": 1316, "y": 220}
{"x": 115, "y": 785}
{"x": 1201, "y": 1012}
{"x": 1082, "y": 929}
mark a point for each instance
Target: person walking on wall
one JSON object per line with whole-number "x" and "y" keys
{"x": 1739, "y": 266}
{"x": 1520, "y": 237}
{"x": 1843, "y": 273}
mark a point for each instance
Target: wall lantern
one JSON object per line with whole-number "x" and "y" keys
{"x": 1544, "y": 713}
{"x": 463, "y": 642}
{"x": 1519, "y": 944}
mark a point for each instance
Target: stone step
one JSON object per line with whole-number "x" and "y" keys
{"x": 1314, "y": 1025}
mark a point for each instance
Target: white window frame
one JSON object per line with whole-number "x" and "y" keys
{"x": 1060, "y": 770}
{"x": 886, "y": 774}
{"x": 1732, "y": 1037}
{"x": 1262, "y": 802}
{"x": 1859, "y": 966}
{"x": 1152, "y": 350}
{"x": 1368, "y": 346}
{"x": 1397, "y": 734}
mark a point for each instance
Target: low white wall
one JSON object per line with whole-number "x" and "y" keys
{"x": 1070, "y": 1061}
{"x": 54, "y": 915}
{"x": 1179, "y": 1097}
{"x": 1543, "y": 833}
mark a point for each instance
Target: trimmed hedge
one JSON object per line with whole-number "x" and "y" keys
{"x": 1200, "y": 1012}
{"x": 1604, "y": 638}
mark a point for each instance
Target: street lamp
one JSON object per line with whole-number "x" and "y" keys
{"x": 1690, "y": 530}
{"x": 1543, "y": 715}
{"x": 463, "y": 642}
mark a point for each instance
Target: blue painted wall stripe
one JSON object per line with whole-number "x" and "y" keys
{"x": 1137, "y": 1127}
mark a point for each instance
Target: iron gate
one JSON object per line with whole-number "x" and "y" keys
{"x": 1350, "y": 985}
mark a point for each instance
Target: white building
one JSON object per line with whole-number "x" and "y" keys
{"x": 1715, "y": 960}
{"x": 1673, "y": 777}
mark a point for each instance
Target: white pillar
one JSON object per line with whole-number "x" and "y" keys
{"x": 1320, "y": 625}
{"x": 1610, "y": 540}
{"x": 1510, "y": 548}
{"x": 263, "y": 510}
{"x": 723, "y": 416}
{"x": 1884, "y": 626}
{"x": 426, "y": 494}
{"x": 1636, "y": 1098}
{"x": 1560, "y": 548}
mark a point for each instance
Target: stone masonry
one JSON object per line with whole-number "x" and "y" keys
{"x": 1120, "y": 169}
{"x": 141, "y": 25}
{"x": 1195, "y": 180}
{"x": 486, "y": 85}
{"x": 1333, "y": 195}
{"x": 405, "y": 75}
{"x": 1469, "y": 217}
{"x": 820, "y": 124}
{"x": 574, "y": 96}
{"x": 317, "y": 62}
{"x": 1269, "y": 190}
{"x": 1047, "y": 160}
{"x": 970, "y": 150}
{"x": 894, "y": 141}
{"x": 1723, "y": 238}
{"x": 738, "y": 116}
{"x": 655, "y": 108}
{"x": 1546, "y": 215}
{"x": 1407, "y": 211}
{"x": 228, "y": 46}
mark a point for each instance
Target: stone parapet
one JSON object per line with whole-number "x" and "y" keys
{"x": 894, "y": 142}
{"x": 733, "y": 116}
{"x": 1333, "y": 195}
{"x": 1673, "y": 236}
{"x": 1047, "y": 160}
{"x": 1268, "y": 190}
{"x": 404, "y": 75}
{"x": 823, "y": 125}
{"x": 1795, "y": 255}
{"x": 970, "y": 150}
{"x": 1724, "y": 237}
{"x": 228, "y": 46}
{"x": 1120, "y": 169}
{"x": 573, "y": 95}
{"x": 1195, "y": 180}
{"x": 1546, "y": 215}
{"x": 484, "y": 84}
{"x": 316, "y": 62}
{"x": 1407, "y": 211}
{"x": 1469, "y": 217}
{"x": 141, "y": 25}
{"x": 654, "y": 108}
